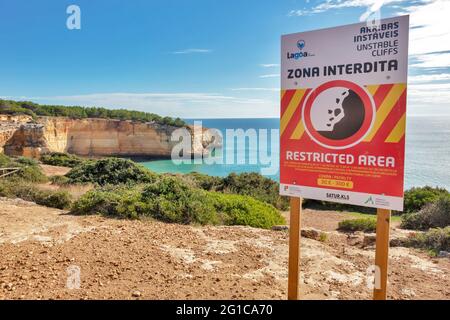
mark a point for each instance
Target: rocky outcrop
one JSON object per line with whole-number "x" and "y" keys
{"x": 97, "y": 137}
{"x": 9, "y": 125}
{"x": 27, "y": 141}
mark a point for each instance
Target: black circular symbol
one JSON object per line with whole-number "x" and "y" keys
{"x": 341, "y": 113}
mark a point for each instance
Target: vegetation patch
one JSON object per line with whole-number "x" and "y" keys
{"x": 364, "y": 224}
{"x": 14, "y": 188}
{"x": 373, "y": 216}
{"x": 128, "y": 189}
{"x": 59, "y": 180}
{"x": 432, "y": 215}
{"x": 76, "y": 112}
{"x": 110, "y": 171}
{"x": 29, "y": 168}
{"x": 434, "y": 240}
{"x": 418, "y": 198}
{"x": 250, "y": 184}
{"x": 171, "y": 199}
{"x": 245, "y": 210}
{"x": 323, "y": 237}
{"x": 61, "y": 159}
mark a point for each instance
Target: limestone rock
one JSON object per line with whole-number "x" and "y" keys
{"x": 97, "y": 137}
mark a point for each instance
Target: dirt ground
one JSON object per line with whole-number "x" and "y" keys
{"x": 54, "y": 170}
{"x": 120, "y": 259}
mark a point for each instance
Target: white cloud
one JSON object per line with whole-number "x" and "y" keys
{"x": 272, "y": 75}
{"x": 429, "y": 94}
{"x": 429, "y": 44}
{"x": 429, "y": 20}
{"x": 430, "y": 24}
{"x": 429, "y": 47}
{"x": 189, "y": 51}
{"x": 297, "y": 13}
{"x": 429, "y": 78}
{"x": 256, "y": 89}
{"x": 432, "y": 60}
{"x": 372, "y": 5}
{"x": 183, "y": 105}
{"x": 269, "y": 65}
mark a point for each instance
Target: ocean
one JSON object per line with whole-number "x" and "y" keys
{"x": 427, "y": 151}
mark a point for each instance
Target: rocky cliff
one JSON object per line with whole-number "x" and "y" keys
{"x": 9, "y": 125}
{"x": 92, "y": 137}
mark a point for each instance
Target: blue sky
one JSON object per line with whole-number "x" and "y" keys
{"x": 193, "y": 58}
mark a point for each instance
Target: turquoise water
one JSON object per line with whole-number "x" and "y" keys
{"x": 427, "y": 151}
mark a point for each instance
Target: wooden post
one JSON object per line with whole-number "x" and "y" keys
{"x": 294, "y": 248}
{"x": 382, "y": 253}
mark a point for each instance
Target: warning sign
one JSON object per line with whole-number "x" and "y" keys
{"x": 343, "y": 112}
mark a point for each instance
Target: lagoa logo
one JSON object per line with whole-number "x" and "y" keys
{"x": 297, "y": 55}
{"x": 301, "y": 44}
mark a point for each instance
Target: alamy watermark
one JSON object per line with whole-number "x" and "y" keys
{"x": 73, "y": 280}
{"x": 373, "y": 277}
{"x": 73, "y": 21}
{"x": 372, "y": 16}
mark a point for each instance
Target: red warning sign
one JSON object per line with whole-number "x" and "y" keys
{"x": 342, "y": 127}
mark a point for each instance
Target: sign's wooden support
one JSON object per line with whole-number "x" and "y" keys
{"x": 294, "y": 248}
{"x": 382, "y": 254}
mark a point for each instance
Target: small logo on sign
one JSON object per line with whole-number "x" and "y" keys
{"x": 369, "y": 201}
{"x": 301, "y": 44}
{"x": 301, "y": 54}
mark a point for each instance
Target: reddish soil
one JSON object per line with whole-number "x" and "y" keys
{"x": 121, "y": 259}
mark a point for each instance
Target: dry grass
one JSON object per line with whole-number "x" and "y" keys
{"x": 75, "y": 190}
{"x": 54, "y": 170}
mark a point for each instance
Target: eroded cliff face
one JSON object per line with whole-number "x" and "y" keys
{"x": 96, "y": 137}
{"x": 9, "y": 125}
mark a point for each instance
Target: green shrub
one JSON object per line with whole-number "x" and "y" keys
{"x": 131, "y": 205}
{"x": 364, "y": 224}
{"x": 103, "y": 201}
{"x": 255, "y": 185}
{"x": 435, "y": 240}
{"x": 54, "y": 199}
{"x": 323, "y": 237}
{"x": 61, "y": 159}
{"x": 433, "y": 215}
{"x": 4, "y": 160}
{"x": 417, "y": 198}
{"x": 167, "y": 199}
{"x": 31, "y": 174}
{"x": 204, "y": 181}
{"x": 13, "y": 188}
{"x": 110, "y": 171}
{"x": 173, "y": 200}
{"x": 250, "y": 184}
{"x": 26, "y": 161}
{"x": 245, "y": 210}
{"x": 59, "y": 180}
